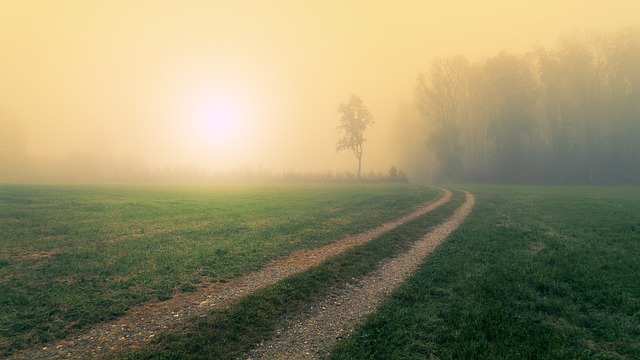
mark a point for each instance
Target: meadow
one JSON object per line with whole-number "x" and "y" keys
{"x": 72, "y": 256}
{"x": 229, "y": 333}
{"x": 533, "y": 273}
{"x": 544, "y": 272}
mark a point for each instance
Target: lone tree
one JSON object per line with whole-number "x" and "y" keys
{"x": 353, "y": 122}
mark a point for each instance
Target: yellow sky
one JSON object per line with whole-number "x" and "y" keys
{"x": 145, "y": 78}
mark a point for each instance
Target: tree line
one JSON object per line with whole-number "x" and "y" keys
{"x": 568, "y": 114}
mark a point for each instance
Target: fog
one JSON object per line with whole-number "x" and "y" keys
{"x": 132, "y": 90}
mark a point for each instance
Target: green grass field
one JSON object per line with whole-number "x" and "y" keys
{"x": 71, "y": 256}
{"x": 230, "y": 332}
{"x": 533, "y": 273}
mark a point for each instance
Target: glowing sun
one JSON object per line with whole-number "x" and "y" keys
{"x": 220, "y": 120}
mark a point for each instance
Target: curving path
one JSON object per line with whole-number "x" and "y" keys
{"x": 312, "y": 335}
{"x": 142, "y": 323}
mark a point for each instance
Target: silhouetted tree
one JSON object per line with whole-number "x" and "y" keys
{"x": 582, "y": 60}
{"x": 624, "y": 109}
{"x": 480, "y": 110}
{"x": 396, "y": 175}
{"x": 513, "y": 89}
{"x": 440, "y": 94}
{"x": 555, "y": 120}
{"x": 570, "y": 113}
{"x": 353, "y": 122}
{"x": 409, "y": 131}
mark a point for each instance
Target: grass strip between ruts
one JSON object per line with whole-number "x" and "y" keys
{"x": 231, "y": 332}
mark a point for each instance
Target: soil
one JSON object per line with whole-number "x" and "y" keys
{"x": 142, "y": 323}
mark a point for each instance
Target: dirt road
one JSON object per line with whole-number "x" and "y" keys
{"x": 312, "y": 335}
{"x": 142, "y": 323}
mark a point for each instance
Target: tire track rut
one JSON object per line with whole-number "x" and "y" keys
{"x": 312, "y": 335}
{"x": 142, "y": 323}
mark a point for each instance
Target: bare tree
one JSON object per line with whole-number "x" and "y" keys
{"x": 569, "y": 113}
{"x": 513, "y": 88}
{"x": 353, "y": 122}
{"x": 441, "y": 95}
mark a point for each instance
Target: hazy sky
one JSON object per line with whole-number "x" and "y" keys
{"x": 223, "y": 84}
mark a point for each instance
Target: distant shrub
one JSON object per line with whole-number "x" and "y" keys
{"x": 396, "y": 175}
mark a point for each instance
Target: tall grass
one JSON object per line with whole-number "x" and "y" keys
{"x": 71, "y": 256}
{"x": 533, "y": 273}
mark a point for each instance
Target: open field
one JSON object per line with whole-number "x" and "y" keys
{"x": 534, "y": 272}
{"x": 230, "y": 332}
{"x": 71, "y": 256}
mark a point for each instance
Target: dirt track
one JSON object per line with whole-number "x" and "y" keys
{"x": 141, "y": 324}
{"x": 312, "y": 335}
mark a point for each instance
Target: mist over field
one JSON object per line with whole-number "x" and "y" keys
{"x": 527, "y": 91}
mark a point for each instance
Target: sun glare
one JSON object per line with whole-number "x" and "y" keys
{"x": 219, "y": 121}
